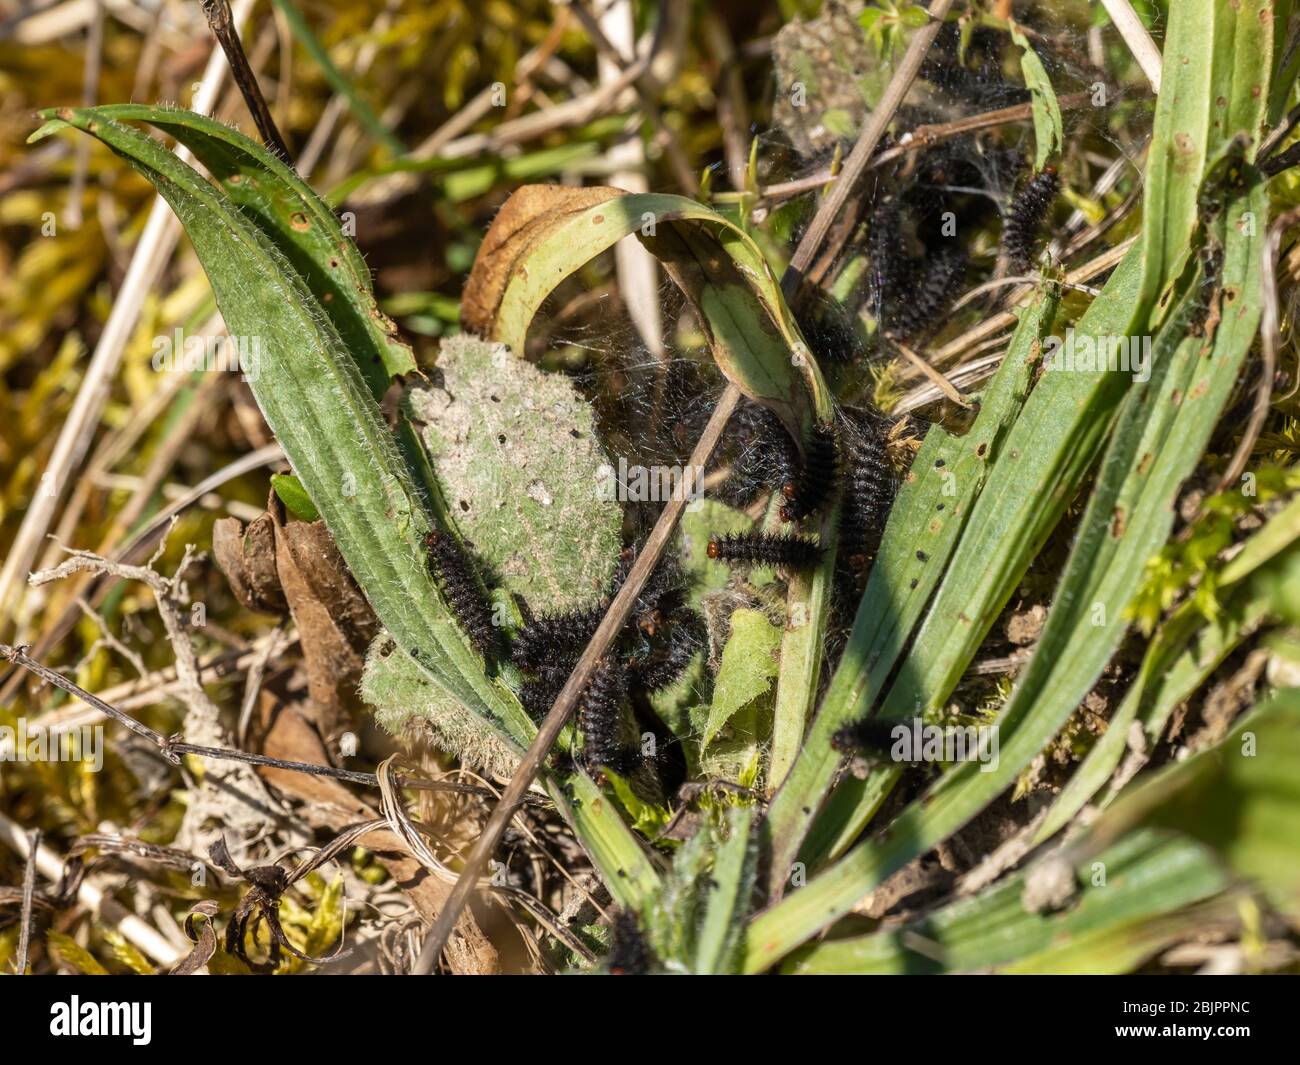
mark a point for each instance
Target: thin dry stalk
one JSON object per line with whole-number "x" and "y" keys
{"x": 1136, "y": 37}
{"x": 29, "y": 898}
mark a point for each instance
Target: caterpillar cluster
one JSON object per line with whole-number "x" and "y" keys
{"x": 969, "y": 67}
{"x": 553, "y": 639}
{"x": 629, "y": 953}
{"x": 793, "y": 553}
{"x": 1025, "y": 217}
{"x": 454, "y": 572}
{"x": 656, "y": 645}
{"x": 661, "y": 596}
{"x": 538, "y": 692}
{"x": 808, "y": 492}
{"x": 660, "y": 668}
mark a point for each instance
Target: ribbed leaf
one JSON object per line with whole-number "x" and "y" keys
{"x": 1146, "y": 877}
{"x": 313, "y": 396}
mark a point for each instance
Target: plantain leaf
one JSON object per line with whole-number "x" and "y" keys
{"x": 517, "y": 457}
{"x": 749, "y": 664}
{"x": 316, "y": 401}
{"x": 290, "y": 214}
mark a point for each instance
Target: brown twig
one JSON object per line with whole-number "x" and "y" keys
{"x": 649, "y": 106}
{"x": 89, "y": 92}
{"x": 733, "y": 114}
{"x": 621, "y": 607}
{"x": 1137, "y": 38}
{"x": 998, "y": 322}
{"x": 934, "y": 376}
{"x": 922, "y": 137}
{"x": 29, "y": 896}
{"x": 222, "y": 24}
{"x": 139, "y": 542}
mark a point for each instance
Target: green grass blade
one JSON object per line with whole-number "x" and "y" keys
{"x": 731, "y": 884}
{"x": 923, "y": 529}
{"x": 1147, "y": 876}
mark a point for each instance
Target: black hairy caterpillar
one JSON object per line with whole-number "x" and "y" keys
{"x": 765, "y": 456}
{"x": 661, "y": 594}
{"x": 538, "y": 692}
{"x": 764, "y": 549}
{"x": 662, "y": 668}
{"x": 455, "y": 575}
{"x": 826, "y": 324}
{"x": 629, "y": 953}
{"x": 600, "y": 720}
{"x": 537, "y": 697}
{"x": 869, "y": 485}
{"x": 870, "y": 736}
{"x": 554, "y": 639}
{"x": 890, "y": 266}
{"x": 971, "y": 69}
{"x": 1025, "y": 217}
{"x": 806, "y": 493}
{"x": 934, "y": 291}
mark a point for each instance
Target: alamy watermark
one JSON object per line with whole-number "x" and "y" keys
{"x": 133, "y": 1020}
{"x": 919, "y": 742}
{"x": 185, "y": 353}
{"x": 84, "y": 743}
{"x": 649, "y": 484}
{"x": 1085, "y": 353}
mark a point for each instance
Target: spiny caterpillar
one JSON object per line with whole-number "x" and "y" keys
{"x": 600, "y": 720}
{"x": 806, "y": 493}
{"x": 454, "y": 573}
{"x": 765, "y": 456}
{"x": 930, "y": 297}
{"x": 661, "y": 594}
{"x": 553, "y": 639}
{"x": 538, "y": 693}
{"x": 868, "y": 490}
{"x": 1025, "y": 217}
{"x": 663, "y": 667}
{"x": 891, "y": 269}
{"x": 868, "y": 736}
{"x": 629, "y": 953}
{"x": 765, "y": 549}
